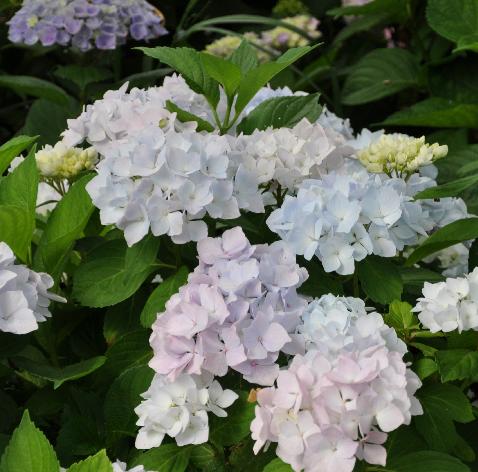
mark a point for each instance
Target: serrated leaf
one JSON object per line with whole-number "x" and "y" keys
{"x": 245, "y": 56}
{"x": 225, "y": 72}
{"x": 458, "y": 364}
{"x": 96, "y": 463}
{"x": 13, "y": 148}
{"x": 29, "y": 450}
{"x": 185, "y": 116}
{"x": 449, "y": 235}
{"x": 400, "y": 315}
{"x": 187, "y": 62}
{"x": 165, "y": 458}
{"x": 436, "y": 112}
{"x": 25, "y": 85}
{"x": 65, "y": 225}
{"x": 281, "y": 112}
{"x": 113, "y": 272}
{"x": 161, "y": 294}
{"x": 390, "y": 286}
{"x": 381, "y": 73}
{"x": 60, "y": 375}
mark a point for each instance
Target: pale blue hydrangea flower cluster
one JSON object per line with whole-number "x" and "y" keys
{"x": 85, "y": 24}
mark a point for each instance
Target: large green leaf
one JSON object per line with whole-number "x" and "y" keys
{"x": 456, "y": 20}
{"x": 258, "y": 77}
{"x": 161, "y": 294}
{"x": 458, "y": 364}
{"x": 277, "y": 466}
{"x": 25, "y": 85}
{"x": 82, "y": 76}
{"x": 381, "y": 73}
{"x": 436, "y": 113}
{"x": 390, "y": 286}
{"x": 122, "y": 398}
{"x": 281, "y": 112}
{"x": 65, "y": 225}
{"x": 13, "y": 148}
{"x": 426, "y": 461}
{"x": 97, "y": 463}
{"x": 60, "y": 375}
{"x": 449, "y": 235}
{"x": 223, "y": 71}
{"x": 166, "y": 458}
{"x": 113, "y": 272}
{"x": 29, "y": 450}
{"x": 245, "y": 56}
{"x": 188, "y": 62}
{"x": 237, "y": 425}
{"x": 18, "y": 195}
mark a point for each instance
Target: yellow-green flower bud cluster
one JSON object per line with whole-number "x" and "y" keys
{"x": 399, "y": 154}
{"x": 63, "y": 162}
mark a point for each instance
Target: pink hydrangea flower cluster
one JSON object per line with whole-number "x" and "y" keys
{"x": 337, "y": 402}
{"x": 239, "y": 309}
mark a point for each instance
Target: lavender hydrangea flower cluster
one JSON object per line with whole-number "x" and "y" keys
{"x": 85, "y": 24}
{"x": 24, "y": 295}
{"x": 337, "y": 402}
{"x": 239, "y": 309}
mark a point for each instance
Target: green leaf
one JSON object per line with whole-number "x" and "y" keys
{"x": 458, "y": 364}
{"x": 96, "y": 463}
{"x": 65, "y": 225}
{"x": 25, "y": 85}
{"x": 400, "y": 315}
{"x": 258, "y": 77}
{"x": 48, "y": 119}
{"x": 18, "y": 195}
{"x": 229, "y": 431}
{"x": 449, "y": 235}
{"x": 281, "y": 112}
{"x": 208, "y": 459}
{"x": 245, "y": 56}
{"x": 121, "y": 400}
{"x": 417, "y": 276}
{"x": 363, "y": 23}
{"x": 82, "y": 76}
{"x": 29, "y": 450}
{"x": 466, "y": 158}
{"x": 161, "y": 294}
{"x": 225, "y": 72}
{"x": 113, "y": 272}
{"x": 450, "y": 189}
{"x": 436, "y": 112}
{"x": 381, "y": 73}
{"x": 373, "y": 269}
{"x": 12, "y": 149}
{"x": 456, "y": 20}
{"x": 277, "y": 466}
{"x": 188, "y": 62}
{"x": 185, "y": 116}
{"x": 60, "y": 375}
{"x": 165, "y": 458}
{"x": 425, "y": 367}
{"x": 426, "y": 461}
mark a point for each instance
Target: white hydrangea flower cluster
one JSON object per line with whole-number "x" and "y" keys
{"x": 179, "y": 409}
{"x": 450, "y": 305}
{"x": 399, "y": 154}
{"x": 24, "y": 295}
{"x": 337, "y": 402}
{"x": 63, "y": 162}
{"x": 452, "y": 260}
{"x": 348, "y": 215}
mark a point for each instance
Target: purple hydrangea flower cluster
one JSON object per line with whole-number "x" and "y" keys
{"x": 85, "y": 24}
{"x": 239, "y": 309}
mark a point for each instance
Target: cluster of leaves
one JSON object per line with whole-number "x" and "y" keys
{"x": 80, "y": 375}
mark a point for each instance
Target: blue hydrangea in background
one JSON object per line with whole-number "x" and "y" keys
{"x": 85, "y": 24}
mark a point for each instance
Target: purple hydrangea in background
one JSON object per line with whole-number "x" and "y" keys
{"x": 85, "y": 24}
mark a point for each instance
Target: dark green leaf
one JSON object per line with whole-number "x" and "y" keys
{"x": 426, "y": 461}
{"x": 97, "y": 463}
{"x": 12, "y": 149}
{"x": 458, "y": 364}
{"x": 82, "y": 76}
{"x": 381, "y": 73}
{"x": 450, "y": 189}
{"x": 380, "y": 279}
{"x": 166, "y": 458}
{"x": 277, "y": 466}
{"x": 281, "y": 112}
{"x": 245, "y": 56}
{"x": 161, "y": 294}
{"x": 425, "y": 367}
{"x": 225, "y": 72}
